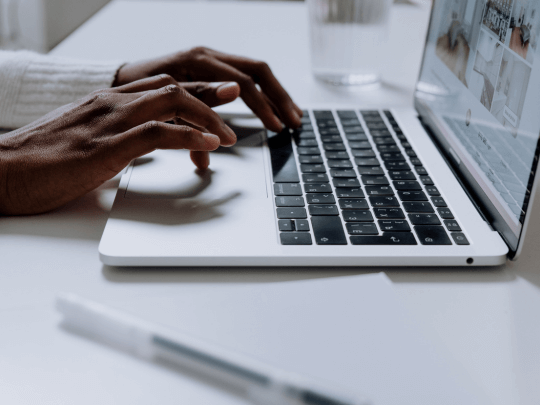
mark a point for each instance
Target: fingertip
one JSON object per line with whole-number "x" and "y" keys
{"x": 200, "y": 159}
{"x": 275, "y": 124}
{"x": 229, "y": 90}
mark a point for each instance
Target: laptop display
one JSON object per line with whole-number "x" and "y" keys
{"x": 479, "y": 90}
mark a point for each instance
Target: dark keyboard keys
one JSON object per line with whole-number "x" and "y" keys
{"x": 394, "y": 225}
{"x": 290, "y": 201}
{"x": 328, "y": 230}
{"x": 328, "y": 131}
{"x": 349, "y": 192}
{"x": 308, "y": 150}
{"x": 412, "y": 196}
{"x": 366, "y": 161}
{"x": 310, "y": 159}
{"x": 356, "y": 137}
{"x": 340, "y": 163}
{"x": 282, "y": 158}
{"x": 432, "y": 235}
{"x": 392, "y": 156}
{"x": 407, "y": 185}
{"x": 361, "y": 228}
{"x": 375, "y": 180}
{"x": 331, "y": 138}
{"x": 313, "y": 168}
{"x": 387, "y": 238}
{"x": 420, "y": 170}
{"x": 379, "y": 190}
{"x": 370, "y": 170}
{"x": 353, "y": 204}
{"x": 396, "y": 165}
{"x": 301, "y": 225}
{"x": 432, "y": 190}
{"x": 320, "y": 198}
{"x": 389, "y": 213}
{"x": 287, "y": 189}
{"x": 295, "y": 238}
{"x": 452, "y": 225}
{"x": 363, "y": 153}
{"x": 318, "y": 188}
{"x": 346, "y": 182}
{"x": 315, "y": 178}
{"x": 323, "y": 209}
{"x": 334, "y": 146}
{"x": 387, "y": 201}
{"x": 418, "y": 206}
{"x": 460, "y": 238}
{"x": 285, "y": 225}
{"x": 424, "y": 219}
{"x": 445, "y": 213}
{"x": 360, "y": 145}
{"x": 357, "y": 216}
{"x": 416, "y": 162}
{"x": 291, "y": 213}
{"x": 336, "y": 155}
{"x": 402, "y": 175}
{"x": 344, "y": 173}
{"x": 438, "y": 202}
{"x": 307, "y": 142}
{"x": 426, "y": 180}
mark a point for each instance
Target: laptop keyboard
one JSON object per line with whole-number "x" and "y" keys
{"x": 352, "y": 177}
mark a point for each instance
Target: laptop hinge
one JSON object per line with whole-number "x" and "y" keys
{"x": 450, "y": 162}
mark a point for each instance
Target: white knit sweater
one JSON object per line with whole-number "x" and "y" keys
{"x": 31, "y": 85}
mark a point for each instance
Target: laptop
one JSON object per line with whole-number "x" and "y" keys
{"x": 449, "y": 182}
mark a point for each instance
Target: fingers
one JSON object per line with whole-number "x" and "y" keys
{"x": 214, "y": 93}
{"x": 154, "y": 135}
{"x": 172, "y": 102}
{"x": 201, "y": 159}
{"x": 150, "y": 83}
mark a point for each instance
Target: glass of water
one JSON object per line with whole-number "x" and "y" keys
{"x": 347, "y": 39}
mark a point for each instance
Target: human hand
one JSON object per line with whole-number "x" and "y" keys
{"x": 76, "y": 148}
{"x": 271, "y": 103}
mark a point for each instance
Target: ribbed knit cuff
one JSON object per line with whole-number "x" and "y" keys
{"x": 32, "y": 85}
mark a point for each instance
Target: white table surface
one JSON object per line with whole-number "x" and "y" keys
{"x": 485, "y": 320}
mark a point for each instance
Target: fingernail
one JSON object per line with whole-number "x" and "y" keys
{"x": 228, "y": 90}
{"x": 211, "y": 141}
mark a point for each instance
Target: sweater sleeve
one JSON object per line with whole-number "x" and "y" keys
{"x": 32, "y": 85}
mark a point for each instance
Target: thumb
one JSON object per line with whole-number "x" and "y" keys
{"x": 214, "y": 93}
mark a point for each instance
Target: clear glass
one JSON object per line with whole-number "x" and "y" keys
{"x": 347, "y": 38}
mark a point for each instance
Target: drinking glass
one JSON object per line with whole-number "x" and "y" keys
{"x": 347, "y": 40}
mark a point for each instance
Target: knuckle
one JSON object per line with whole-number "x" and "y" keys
{"x": 199, "y": 50}
{"x": 262, "y": 66}
{"x": 152, "y": 128}
{"x": 166, "y": 78}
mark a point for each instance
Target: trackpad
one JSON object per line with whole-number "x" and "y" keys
{"x": 237, "y": 172}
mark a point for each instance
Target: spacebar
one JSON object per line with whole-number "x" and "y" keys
{"x": 328, "y": 230}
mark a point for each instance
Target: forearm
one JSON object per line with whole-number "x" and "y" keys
{"x": 32, "y": 85}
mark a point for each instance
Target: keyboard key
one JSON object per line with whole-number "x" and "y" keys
{"x": 310, "y": 159}
{"x": 379, "y": 190}
{"x": 438, "y": 202}
{"x": 304, "y": 135}
{"x": 407, "y": 185}
{"x": 310, "y": 168}
{"x": 370, "y": 170}
{"x": 394, "y": 225}
{"x": 389, "y": 213}
{"x": 355, "y": 128}
{"x": 334, "y": 146}
{"x": 328, "y": 230}
{"x": 344, "y": 173}
{"x": 386, "y": 201}
{"x": 424, "y": 219}
{"x": 392, "y": 156}
{"x": 367, "y": 161}
{"x": 406, "y": 145}
{"x": 353, "y": 204}
{"x": 307, "y": 127}
{"x": 375, "y": 180}
{"x": 323, "y": 114}
{"x": 426, "y": 180}
{"x": 320, "y": 198}
{"x": 328, "y": 131}
{"x": 349, "y": 192}
{"x": 363, "y": 153}
{"x": 315, "y": 178}
{"x": 460, "y": 238}
{"x": 421, "y": 170}
{"x": 361, "y": 228}
{"x": 360, "y": 145}
{"x": 295, "y": 238}
{"x": 307, "y": 142}
{"x": 387, "y": 238}
{"x": 376, "y": 125}
{"x": 350, "y": 122}
{"x": 410, "y": 153}
{"x": 357, "y": 216}
{"x": 308, "y": 150}
{"x": 402, "y": 175}
{"x": 445, "y": 213}
{"x": 282, "y": 158}
{"x": 331, "y": 138}
{"x": 432, "y": 235}
{"x": 416, "y": 162}
{"x": 286, "y": 225}
{"x": 290, "y": 201}
{"x": 396, "y": 165}
{"x": 318, "y": 188}
{"x": 323, "y": 209}
{"x": 341, "y": 182}
{"x": 287, "y": 189}
{"x": 418, "y": 206}
{"x": 346, "y": 114}
{"x": 340, "y": 163}
{"x": 388, "y": 148}
{"x": 432, "y": 190}
{"x": 301, "y": 225}
{"x": 379, "y": 132}
{"x": 412, "y": 196}
{"x": 356, "y": 137}
{"x": 326, "y": 124}
{"x": 291, "y": 213}
{"x": 452, "y": 225}
{"x": 384, "y": 140}
{"x": 336, "y": 155}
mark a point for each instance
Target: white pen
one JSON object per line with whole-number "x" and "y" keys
{"x": 262, "y": 384}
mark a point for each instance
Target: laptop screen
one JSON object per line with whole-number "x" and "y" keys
{"x": 479, "y": 90}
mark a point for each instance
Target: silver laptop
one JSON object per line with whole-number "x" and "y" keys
{"x": 448, "y": 183}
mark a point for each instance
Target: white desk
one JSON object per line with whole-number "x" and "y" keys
{"x": 487, "y": 321}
